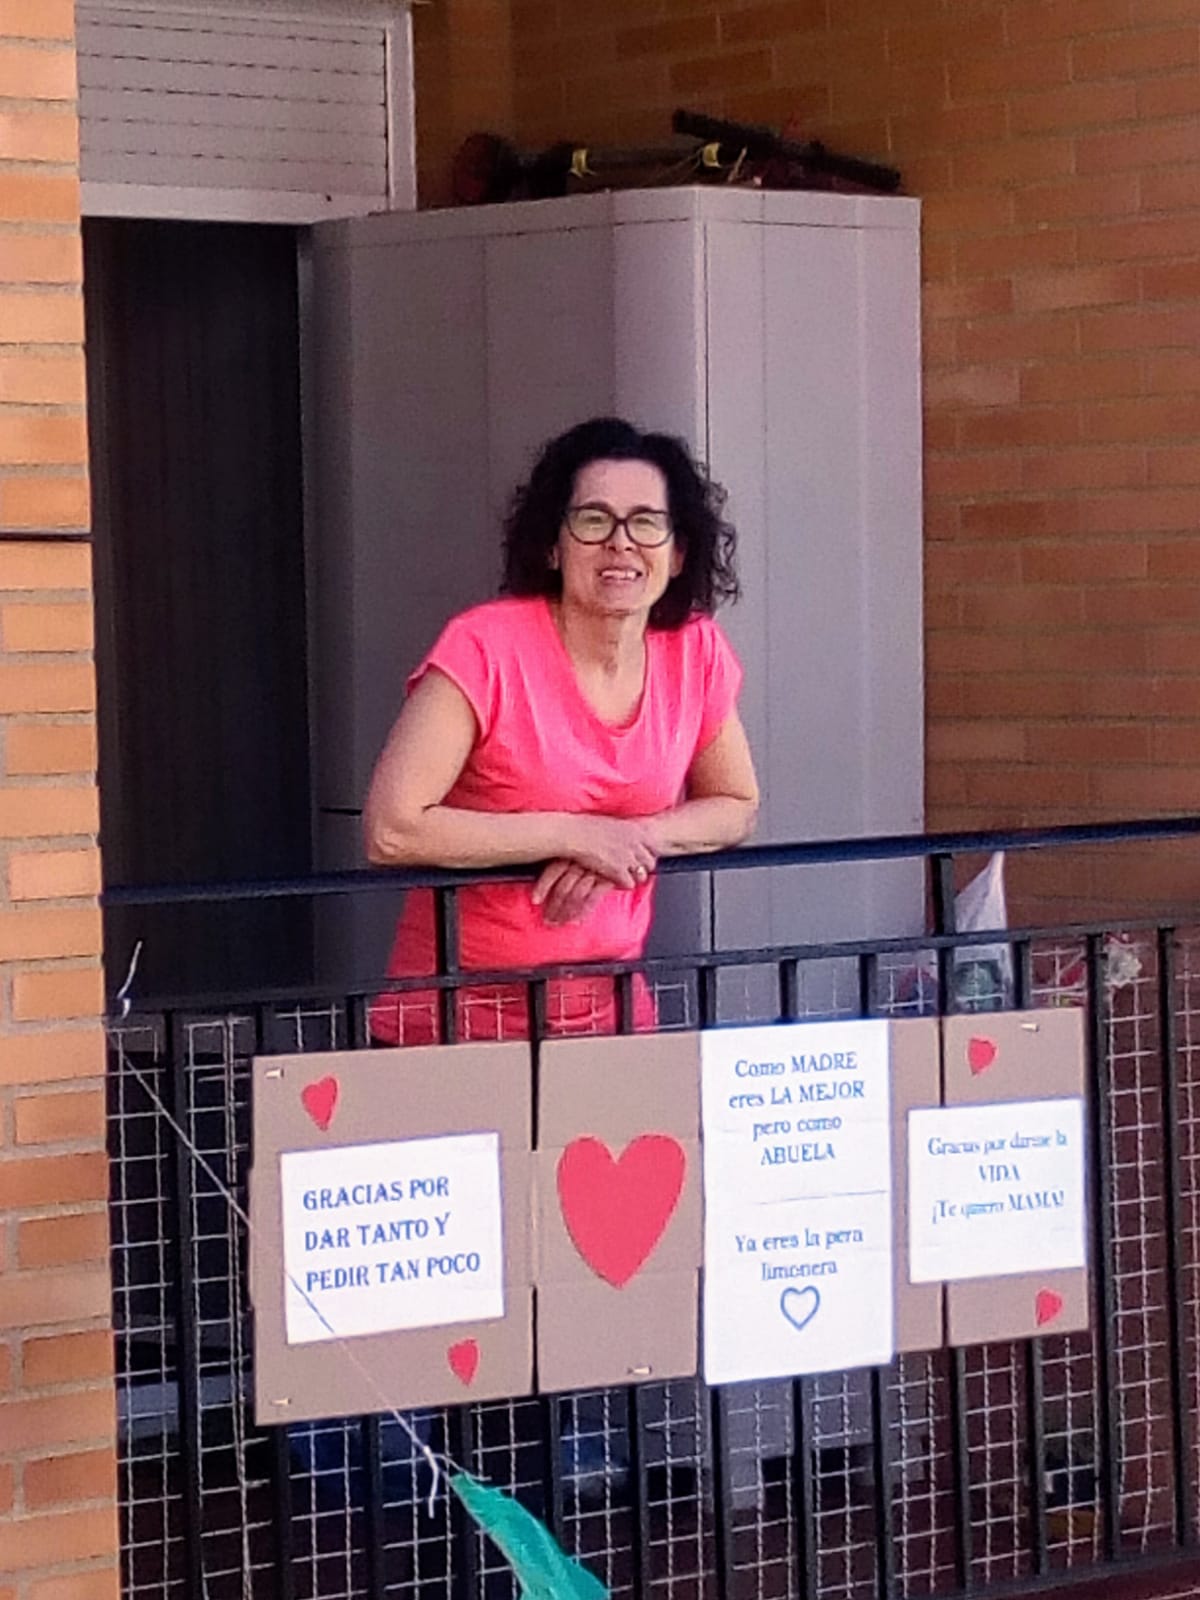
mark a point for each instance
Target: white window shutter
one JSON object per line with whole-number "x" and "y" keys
{"x": 186, "y": 111}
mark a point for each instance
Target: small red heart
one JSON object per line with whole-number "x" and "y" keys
{"x": 1047, "y": 1306}
{"x": 464, "y": 1361}
{"x": 320, "y": 1101}
{"x": 981, "y": 1053}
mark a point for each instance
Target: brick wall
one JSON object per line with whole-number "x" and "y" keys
{"x": 462, "y": 62}
{"x": 57, "y": 1464}
{"x": 1056, "y": 144}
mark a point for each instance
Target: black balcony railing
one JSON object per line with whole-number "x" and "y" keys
{"x": 1014, "y": 1468}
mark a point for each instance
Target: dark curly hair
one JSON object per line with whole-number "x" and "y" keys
{"x": 707, "y": 541}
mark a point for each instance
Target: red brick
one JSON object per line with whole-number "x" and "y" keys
{"x": 27, "y": 438}
{"x": 1107, "y": 196}
{"x": 1155, "y": 417}
{"x": 987, "y": 297}
{"x": 976, "y": 741}
{"x": 678, "y": 36}
{"x": 27, "y": 1182}
{"x": 960, "y": 475}
{"x": 1080, "y": 106}
{"x": 720, "y": 72}
{"x": 1085, "y": 467}
{"x": 58, "y": 992}
{"x": 1026, "y": 338}
{"x": 58, "y": 1118}
{"x": 1159, "y": 98}
{"x": 1079, "y": 286}
{"x": 44, "y": 1299}
{"x": 1170, "y": 188}
{"x": 33, "y": 748}
{"x": 53, "y": 874}
{"x": 1138, "y": 328}
{"x": 1008, "y": 427}
{"x": 1138, "y": 511}
{"x": 70, "y": 1479}
{"x": 41, "y": 501}
{"x": 97, "y": 1583}
{"x": 1026, "y": 607}
{"x": 37, "y": 564}
{"x": 1009, "y": 72}
{"x": 60, "y": 627}
{"x": 767, "y": 23}
{"x": 67, "y": 1358}
{"x": 1132, "y": 54}
{"x": 40, "y": 317}
{"x": 1014, "y": 163}
{"x": 71, "y": 1536}
{"x": 39, "y": 19}
{"x": 37, "y": 258}
{"x": 1128, "y": 149}
{"x": 1142, "y": 240}
{"x": 62, "y": 1241}
{"x": 973, "y": 386}
{"x": 29, "y": 73}
{"x": 1091, "y": 379}
{"x": 1090, "y": 561}
{"x": 1004, "y": 254}
{"x": 44, "y": 812}
{"x": 54, "y": 1056}
{"x": 42, "y": 379}
{"x": 1066, "y": 743}
{"x": 1178, "y": 463}
{"x": 39, "y": 196}
{"x": 44, "y": 135}
{"x": 1019, "y": 519}
{"x": 1040, "y": 20}
{"x": 954, "y": 38}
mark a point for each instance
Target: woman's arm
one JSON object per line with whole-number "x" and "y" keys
{"x": 405, "y": 822}
{"x": 719, "y": 811}
{"x": 721, "y": 803}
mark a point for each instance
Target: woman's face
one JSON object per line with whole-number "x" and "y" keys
{"x": 619, "y": 576}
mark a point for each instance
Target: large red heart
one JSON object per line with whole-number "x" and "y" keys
{"x": 617, "y": 1209}
{"x": 320, "y": 1101}
{"x": 981, "y": 1053}
{"x": 1047, "y": 1306}
{"x": 464, "y": 1361}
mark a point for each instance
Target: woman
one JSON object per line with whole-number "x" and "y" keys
{"x": 587, "y": 720}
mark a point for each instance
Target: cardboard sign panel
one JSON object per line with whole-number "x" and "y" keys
{"x": 390, "y": 1261}
{"x": 916, "y": 1058}
{"x": 799, "y": 1261}
{"x": 1005, "y": 1060}
{"x": 617, "y": 1209}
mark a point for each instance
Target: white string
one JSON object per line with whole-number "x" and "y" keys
{"x": 341, "y": 1344}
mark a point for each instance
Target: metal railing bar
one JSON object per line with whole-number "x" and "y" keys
{"x": 187, "y": 1343}
{"x": 1182, "y": 1418}
{"x": 1108, "y": 1427}
{"x": 821, "y": 852}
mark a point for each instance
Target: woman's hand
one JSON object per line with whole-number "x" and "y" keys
{"x": 568, "y": 892}
{"x": 621, "y": 850}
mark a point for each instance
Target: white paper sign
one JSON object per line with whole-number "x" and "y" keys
{"x": 798, "y": 1273}
{"x": 996, "y": 1189}
{"x": 378, "y": 1237}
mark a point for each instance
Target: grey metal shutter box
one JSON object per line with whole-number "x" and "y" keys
{"x": 243, "y": 115}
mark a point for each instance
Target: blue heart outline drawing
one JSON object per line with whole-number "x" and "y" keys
{"x": 800, "y": 1315}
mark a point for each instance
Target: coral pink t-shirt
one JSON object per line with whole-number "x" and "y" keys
{"x": 542, "y": 747}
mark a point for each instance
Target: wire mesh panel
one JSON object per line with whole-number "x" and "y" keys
{"x": 987, "y": 1468}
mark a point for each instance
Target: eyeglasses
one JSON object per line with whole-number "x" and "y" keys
{"x": 597, "y": 524}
